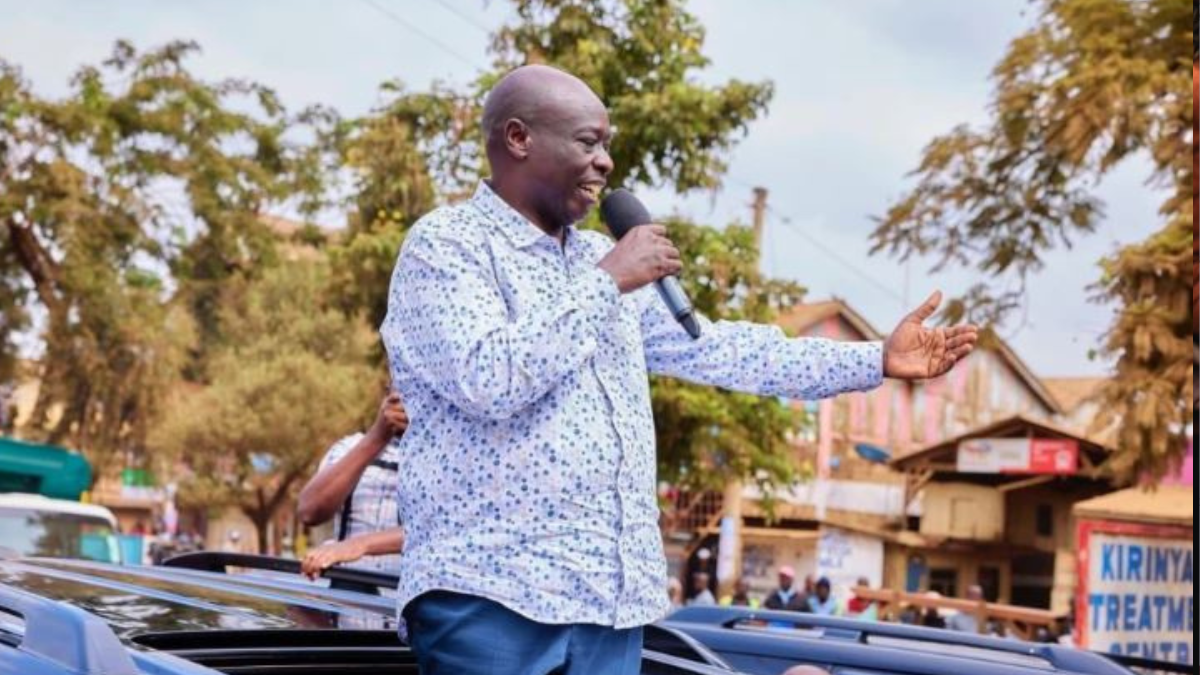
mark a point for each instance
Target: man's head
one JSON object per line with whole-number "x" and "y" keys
{"x": 741, "y": 587}
{"x": 805, "y": 670}
{"x": 823, "y": 589}
{"x": 787, "y": 575}
{"x": 809, "y": 583}
{"x": 547, "y": 139}
{"x": 700, "y": 582}
{"x": 975, "y": 592}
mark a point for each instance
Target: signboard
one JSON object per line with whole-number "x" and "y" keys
{"x": 1019, "y": 455}
{"x": 845, "y": 556}
{"x": 1135, "y": 591}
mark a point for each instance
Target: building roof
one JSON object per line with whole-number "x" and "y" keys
{"x": 1010, "y": 427}
{"x": 1169, "y": 505}
{"x": 1035, "y": 383}
{"x": 800, "y": 318}
{"x": 1072, "y": 391}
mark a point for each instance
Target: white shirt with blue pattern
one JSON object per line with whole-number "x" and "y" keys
{"x": 529, "y": 462}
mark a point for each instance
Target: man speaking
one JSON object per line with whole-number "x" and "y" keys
{"x": 521, "y": 346}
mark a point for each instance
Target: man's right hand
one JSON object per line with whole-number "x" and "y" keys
{"x": 392, "y": 419}
{"x": 644, "y": 255}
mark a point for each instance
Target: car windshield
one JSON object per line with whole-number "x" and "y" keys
{"x": 30, "y": 532}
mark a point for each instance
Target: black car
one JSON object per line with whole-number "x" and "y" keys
{"x": 766, "y": 642}
{"x": 191, "y": 617}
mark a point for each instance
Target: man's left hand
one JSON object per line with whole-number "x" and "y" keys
{"x": 915, "y": 351}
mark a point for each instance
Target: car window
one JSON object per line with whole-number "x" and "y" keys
{"x": 29, "y": 532}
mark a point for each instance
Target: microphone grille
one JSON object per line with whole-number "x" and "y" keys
{"x": 622, "y": 212}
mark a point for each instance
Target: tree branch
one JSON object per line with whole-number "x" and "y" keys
{"x": 37, "y": 263}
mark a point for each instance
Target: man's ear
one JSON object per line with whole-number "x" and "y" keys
{"x": 516, "y": 138}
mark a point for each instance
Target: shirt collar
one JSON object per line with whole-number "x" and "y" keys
{"x": 508, "y": 220}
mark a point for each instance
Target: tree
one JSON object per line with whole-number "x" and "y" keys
{"x": 292, "y": 376}
{"x": 128, "y": 201}
{"x": 1093, "y": 83}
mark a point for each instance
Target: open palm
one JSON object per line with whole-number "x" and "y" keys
{"x": 915, "y": 351}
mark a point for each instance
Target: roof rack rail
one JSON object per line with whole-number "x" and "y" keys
{"x": 859, "y": 631}
{"x": 67, "y": 635}
{"x": 343, "y": 577}
{"x": 1149, "y": 664}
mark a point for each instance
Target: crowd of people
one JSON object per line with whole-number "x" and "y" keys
{"x": 814, "y": 596}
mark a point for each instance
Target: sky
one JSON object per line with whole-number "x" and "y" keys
{"x": 860, "y": 88}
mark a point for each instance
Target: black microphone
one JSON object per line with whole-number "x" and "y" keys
{"x": 622, "y": 212}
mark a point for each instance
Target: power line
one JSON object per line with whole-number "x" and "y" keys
{"x": 464, "y": 16}
{"x": 409, "y": 25}
{"x": 787, "y": 222}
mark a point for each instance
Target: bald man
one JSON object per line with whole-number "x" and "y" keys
{"x": 521, "y": 346}
{"x": 805, "y": 670}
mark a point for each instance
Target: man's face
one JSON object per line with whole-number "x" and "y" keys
{"x": 785, "y": 581}
{"x": 822, "y": 592}
{"x": 568, "y": 158}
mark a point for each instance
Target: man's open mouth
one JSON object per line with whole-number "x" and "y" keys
{"x": 592, "y": 190}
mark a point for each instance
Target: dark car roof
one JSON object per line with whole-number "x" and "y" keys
{"x": 758, "y": 640}
{"x": 77, "y": 617}
{"x": 136, "y": 600}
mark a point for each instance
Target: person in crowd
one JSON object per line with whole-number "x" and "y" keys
{"x": 967, "y": 622}
{"x": 355, "y": 487}
{"x": 786, "y": 596}
{"x": 862, "y": 608}
{"x": 822, "y": 601}
{"x": 701, "y": 593}
{"x": 740, "y": 596}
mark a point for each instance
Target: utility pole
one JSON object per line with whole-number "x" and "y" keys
{"x": 759, "y": 209}
{"x": 729, "y": 559}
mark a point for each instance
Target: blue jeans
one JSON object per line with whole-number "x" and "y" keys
{"x": 455, "y": 634}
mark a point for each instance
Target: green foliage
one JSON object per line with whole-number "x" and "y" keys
{"x": 133, "y": 196}
{"x": 1094, "y": 82}
{"x": 292, "y": 376}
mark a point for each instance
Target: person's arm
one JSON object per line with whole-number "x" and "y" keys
{"x": 757, "y": 358}
{"x": 371, "y": 543}
{"x": 449, "y": 326}
{"x": 326, "y": 491}
{"x": 760, "y": 359}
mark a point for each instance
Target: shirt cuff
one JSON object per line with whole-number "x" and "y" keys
{"x": 866, "y": 364}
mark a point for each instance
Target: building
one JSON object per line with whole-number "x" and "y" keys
{"x": 994, "y": 507}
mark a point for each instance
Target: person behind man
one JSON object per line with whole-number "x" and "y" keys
{"x": 675, "y": 593}
{"x": 523, "y": 344}
{"x": 862, "y": 608}
{"x": 967, "y": 622}
{"x": 822, "y": 601}
{"x": 786, "y": 596}
{"x": 740, "y": 596}
{"x": 355, "y": 485}
{"x": 701, "y": 593}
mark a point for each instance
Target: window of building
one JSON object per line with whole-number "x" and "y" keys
{"x": 944, "y": 580}
{"x": 1045, "y": 520}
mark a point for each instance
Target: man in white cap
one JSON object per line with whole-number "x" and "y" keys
{"x": 786, "y": 597}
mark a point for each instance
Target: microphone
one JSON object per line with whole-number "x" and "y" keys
{"x": 622, "y": 212}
